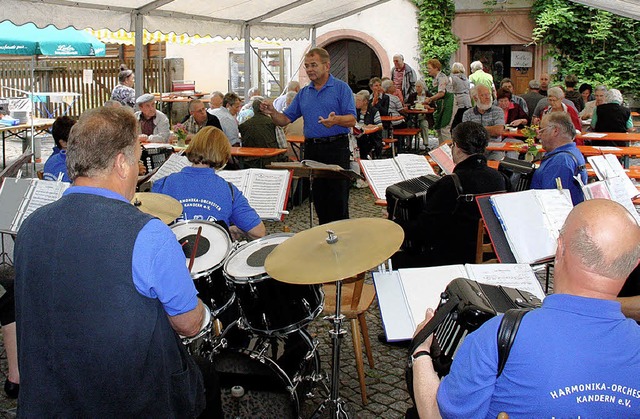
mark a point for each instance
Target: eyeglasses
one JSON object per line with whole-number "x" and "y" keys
{"x": 542, "y": 129}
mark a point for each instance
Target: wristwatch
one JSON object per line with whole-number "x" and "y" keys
{"x": 412, "y": 358}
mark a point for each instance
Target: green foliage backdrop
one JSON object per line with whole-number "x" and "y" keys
{"x": 435, "y": 20}
{"x": 597, "y": 46}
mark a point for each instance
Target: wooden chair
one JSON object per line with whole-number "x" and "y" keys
{"x": 14, "y": 167}
{"x": 484, "y": 248}
{"x": 356, "y": 300}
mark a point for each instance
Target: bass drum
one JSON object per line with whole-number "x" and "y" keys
{"x": 275, "y": 372}
{"x": 214, "y": 246}
{"x": 266, "y": 305}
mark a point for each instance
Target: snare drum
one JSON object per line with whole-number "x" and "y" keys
{"x": 266, "y": 305}
{"x": 213, "y": 248}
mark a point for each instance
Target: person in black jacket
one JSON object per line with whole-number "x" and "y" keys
{"x": 367, "y": 115}
{"x": 446, "y": 229}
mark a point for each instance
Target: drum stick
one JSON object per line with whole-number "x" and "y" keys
{"x": 195, "y": 248}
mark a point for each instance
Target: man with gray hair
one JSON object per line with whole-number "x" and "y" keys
{"x": 403, "y": 76}
{"x": 154, "y": 125}
{"x": 281, "y": 101}
{"x": 533, "y": 96}
{"x": 259, "y": 131}
{"x": 576, "y": 356}
{"x": 562, "y": 159}
{"x": 488, "y": 115}
{"x": 215, "y": 101}
{"x": 479, "y": 77}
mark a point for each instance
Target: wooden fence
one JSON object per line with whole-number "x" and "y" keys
{"x": 66, "y": 75}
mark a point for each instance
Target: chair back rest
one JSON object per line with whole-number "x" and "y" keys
{"x": 14, "y": 167}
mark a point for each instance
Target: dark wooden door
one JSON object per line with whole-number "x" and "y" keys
{"x": 339, "y": 53}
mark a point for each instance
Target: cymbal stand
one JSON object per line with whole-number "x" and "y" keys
{"x": 336, "y": 404}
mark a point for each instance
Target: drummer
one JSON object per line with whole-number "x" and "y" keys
{"x": 206, "y": 196}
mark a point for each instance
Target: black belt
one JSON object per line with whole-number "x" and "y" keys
{"x": 326, "y": 140}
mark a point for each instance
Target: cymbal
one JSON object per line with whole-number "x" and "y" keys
{"x": 309, "y": 258}
{"x": 159, "y": 205}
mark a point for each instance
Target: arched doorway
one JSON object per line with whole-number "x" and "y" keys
{"x": 354, "y": 62}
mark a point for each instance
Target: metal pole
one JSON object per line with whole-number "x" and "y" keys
{"x": 313, "y": 37}
{"x": 247, "y": 60}
{"x": 139, "y": 57}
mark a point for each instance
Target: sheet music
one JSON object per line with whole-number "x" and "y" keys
{"x": 595, "y": 190}
{"x": 514, "y": 275}
{"x": 606, "y": 148}
{"x": 173, "y": 164}
{"x": 442, "y": 156}
{"x": 556, "y": 205}
{"x": 381, "y": 174}
{"x": 413, "y": 166}
{"x": 608, "y": 167}
{"x": 240, "y": 178}
{"x": 531, "y": 220}
{"x": 266, "y": 190}
{"x": 42, "y": 193}
{"x": 422, "y": 287}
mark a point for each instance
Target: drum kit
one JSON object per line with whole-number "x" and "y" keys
{"x": 267, "y": 291}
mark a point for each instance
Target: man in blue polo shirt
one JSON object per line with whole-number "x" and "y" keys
{"x": 562, "y": 160}
{"x": 102, "y": 292}
{"x": 576, "y": 356}
{"x": 329, "y": 111}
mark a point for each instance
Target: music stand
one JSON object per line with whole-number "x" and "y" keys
{"x": 312, "y": 169}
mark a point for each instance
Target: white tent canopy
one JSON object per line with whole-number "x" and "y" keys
{"x": 626, "y": 8}
{"x": 242, "y": 19}
{"x": 268, "y": 19}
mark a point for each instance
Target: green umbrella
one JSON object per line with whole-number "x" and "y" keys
{"x": 50, "y": 41}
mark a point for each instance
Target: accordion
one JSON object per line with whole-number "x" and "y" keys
{"x": 465, "y": 305}
{"x": 519, "y": 172}
{"x": 152, "y": 158}
{"x": 406, "y": 199}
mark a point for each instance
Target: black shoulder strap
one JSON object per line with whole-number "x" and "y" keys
{"x": 461, "y": 195}
{"x": 233, "y": 195}
{"x": 579, "y": 167}
{"x": 507, "y": 334}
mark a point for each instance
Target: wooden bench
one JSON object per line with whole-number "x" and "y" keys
{"x": 390, "y": 143}
{"x": 408, "y": 132}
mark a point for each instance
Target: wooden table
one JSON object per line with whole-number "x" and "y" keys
{"x": 166, "y": 102}
{"x": 259, "y": 152}
{"x": 21, "y": 131}
{"x": 586, "y": 150}
{"x": 608, "y": 136}
{"x": 297, "y": 145}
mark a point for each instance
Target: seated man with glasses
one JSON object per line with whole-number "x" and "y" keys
{"x": 562, "y": 159}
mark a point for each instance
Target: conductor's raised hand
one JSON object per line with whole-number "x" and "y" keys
{"x": 267, "y": 107}
{"x": 329, "y": 121}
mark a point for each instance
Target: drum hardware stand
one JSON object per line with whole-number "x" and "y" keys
{"x": 336, "y": 404}
{"x": 5, "y": 259}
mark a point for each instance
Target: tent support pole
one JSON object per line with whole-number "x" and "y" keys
{"x": 313, "y": 37}
{"x": 33, "y": 112}
{"x": 247, "y": 61}
{"x": 139, "y": 58}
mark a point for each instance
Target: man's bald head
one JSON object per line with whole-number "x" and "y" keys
{"x": 600, "y": 239}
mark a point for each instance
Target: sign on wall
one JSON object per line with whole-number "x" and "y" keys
{"x": 521, "y": 59}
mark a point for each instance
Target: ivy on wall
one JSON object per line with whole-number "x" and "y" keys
{"x": 597, "y": 46}
{"x": 435, "y": 39}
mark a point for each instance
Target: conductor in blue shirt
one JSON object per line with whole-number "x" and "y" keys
{"x": 329, "y": 111}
